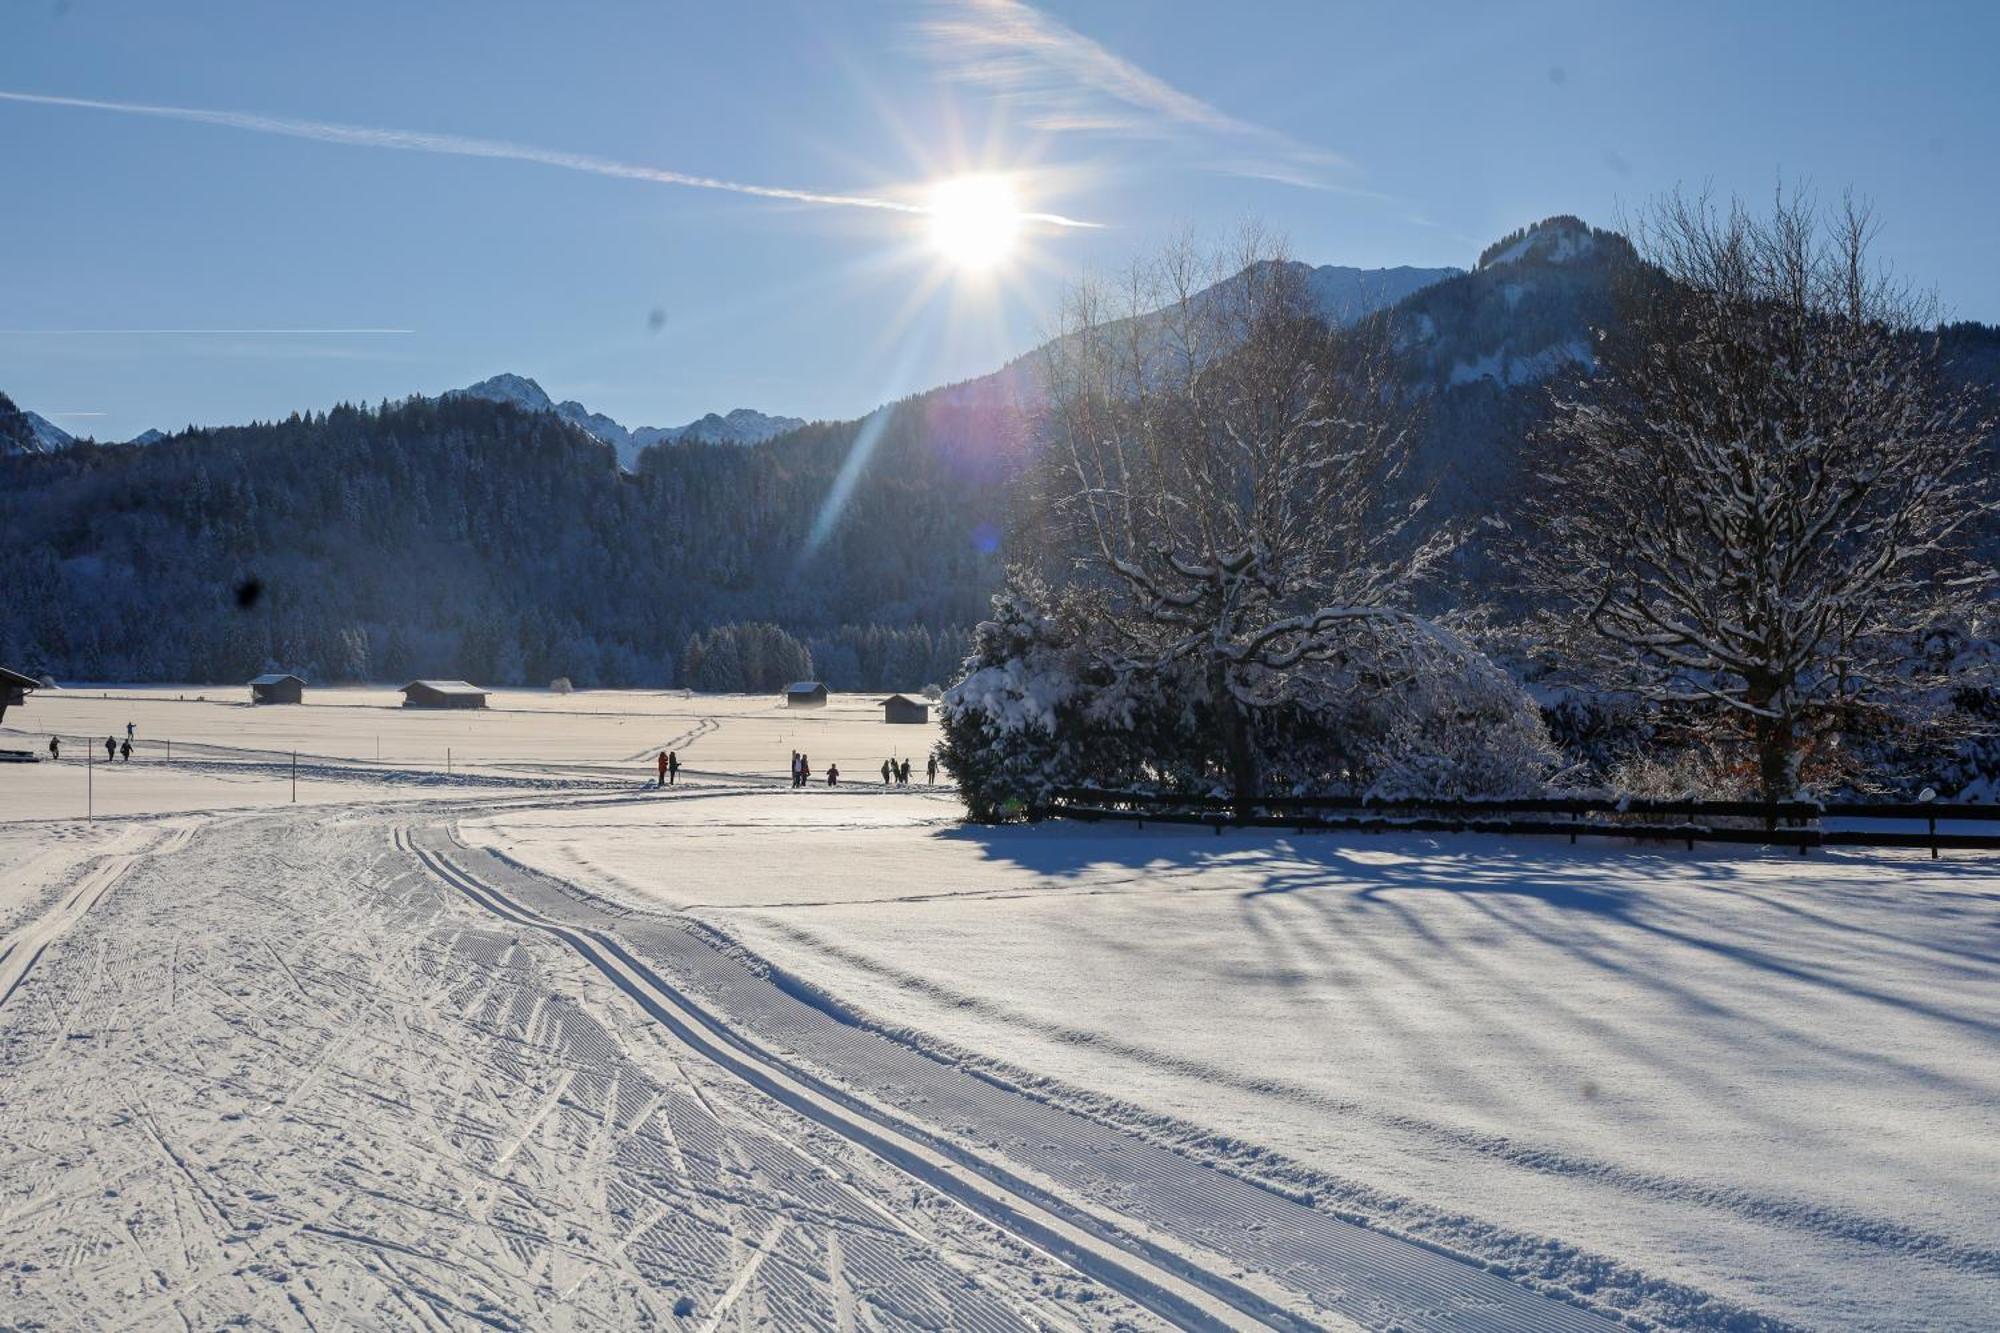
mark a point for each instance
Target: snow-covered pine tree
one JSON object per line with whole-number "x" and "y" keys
{"x": 1770, "y": 484}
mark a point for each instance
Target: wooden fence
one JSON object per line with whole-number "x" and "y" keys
{"x": 1802, "y": 825}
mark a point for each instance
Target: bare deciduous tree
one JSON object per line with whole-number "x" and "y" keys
{"x": 1224, "y": 463}
{"x": 1770, "y": 482}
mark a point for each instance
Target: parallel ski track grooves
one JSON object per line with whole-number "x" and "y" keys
{"x": 1049, "y": 1229}
{"x": 1366, "y": 1276}
{"x": 22, "y": 950}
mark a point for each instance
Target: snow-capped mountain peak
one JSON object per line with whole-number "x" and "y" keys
{"x": 1556, "y": 240}
{"x": 49, "y": 435}
{"x": 518, "y": 390}
{"x": 25, "y": 432}
{"x": 742, "y": 425}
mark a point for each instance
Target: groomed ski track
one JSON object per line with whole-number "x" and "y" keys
{"x": 1201, "y": 1248}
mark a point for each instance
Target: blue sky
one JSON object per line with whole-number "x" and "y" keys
{"x": 1369, "y": 134}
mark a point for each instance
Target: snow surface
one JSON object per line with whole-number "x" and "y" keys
{"x": 326, "y": 1064}
{"x": 1769, "y": 1080}
{"x": 225, "y": 750}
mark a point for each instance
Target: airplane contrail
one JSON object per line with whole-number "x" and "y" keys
{"x": 459, "y": 145}
{"x": 182, "y": 332}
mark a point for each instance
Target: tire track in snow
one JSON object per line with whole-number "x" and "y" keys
{"x": 1165, "y": 1213}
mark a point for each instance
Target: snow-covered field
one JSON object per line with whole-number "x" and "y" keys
{"x": 209, "y": 748}
{"x": 533, "y": 1044}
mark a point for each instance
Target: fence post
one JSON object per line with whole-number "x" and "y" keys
{"x": 1933, "y": 822}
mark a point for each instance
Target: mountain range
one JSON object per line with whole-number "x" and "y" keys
{"x": 1341, "y": 294}
{"x": 743, "y": 425}
{"x": 496, "y": 534}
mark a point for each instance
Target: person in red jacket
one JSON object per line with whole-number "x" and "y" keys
{"x": 663, "y": 768}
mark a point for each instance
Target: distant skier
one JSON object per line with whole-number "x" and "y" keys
{"x": 805, "y": 771}
{"x": 663, "y": 768}
{"x": 930, "y": 771}
{"x": 55, "y": 748}
{"x": 833, "y": 775}
{"x": 130, "y": 731}
{"x": 795, "y": 768}
{"x": 110, "y": 750}
{"x": 903, "y": 774}
{"x": 888, "y": 769}
{"x": 673, "y": 767}
{"x": 125, "y": 750}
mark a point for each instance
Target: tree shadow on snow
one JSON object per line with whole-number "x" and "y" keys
{"x": 1613, "y": 907}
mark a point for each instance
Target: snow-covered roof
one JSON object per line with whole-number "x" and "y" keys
{"x": 16, "y": 680}
{"x": 804, "y": 687}
{"x": 444, "y": 687}
{"x": 273, "y": 677}
{"x": 905, "y": 699}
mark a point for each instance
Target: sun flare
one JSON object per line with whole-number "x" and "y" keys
{"x": 975, "y": 221}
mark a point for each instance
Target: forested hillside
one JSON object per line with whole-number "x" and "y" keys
{"x": 472, "y": 538}
{"x": 469, "y": 538}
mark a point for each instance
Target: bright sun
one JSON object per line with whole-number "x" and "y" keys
{"x": 975, "y": 221}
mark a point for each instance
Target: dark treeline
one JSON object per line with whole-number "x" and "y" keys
{"x": 765, "y": 657}
{"x": 468, "y": 538}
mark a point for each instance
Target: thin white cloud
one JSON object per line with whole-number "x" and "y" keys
{"x": 458, "y": 145}
{"x": 1065, "y": 81}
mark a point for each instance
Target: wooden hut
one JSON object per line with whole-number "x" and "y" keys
{"x": 14, "y": 689}
{"x": 805, "y": 694}
{"x": 901, "y": 708}
{"x": 443, "y": 694}
{"x": 278, "y": 687}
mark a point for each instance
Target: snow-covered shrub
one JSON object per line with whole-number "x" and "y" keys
{"x": 1698, "y": 771}
{"x": 560, "y": 685}
{"x": 1408, "y": 711}
{"x": 934, "y": 692}
{"x": 1461, "y": 729}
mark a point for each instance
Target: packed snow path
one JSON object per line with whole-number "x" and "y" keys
{"x": 287, "y": 1075}
{"x": 1152, "y": 1209}
{"x": 289, "y": 1069}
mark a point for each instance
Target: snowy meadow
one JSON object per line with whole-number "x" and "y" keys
{"x": 1721, "y": 1089}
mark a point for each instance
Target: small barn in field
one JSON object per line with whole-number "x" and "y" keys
{"x": 14, "y": 689}
{"x": 278, "y": 687}
{"x": 443, "y": 694}
{"x": 902, "y": 708}
{"x": 805, "y": 694}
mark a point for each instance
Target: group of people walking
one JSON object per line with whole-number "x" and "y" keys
{"x": 802, "y": 771}
{"x": 896, "y": 772}
{"x": 114, "y": 749}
